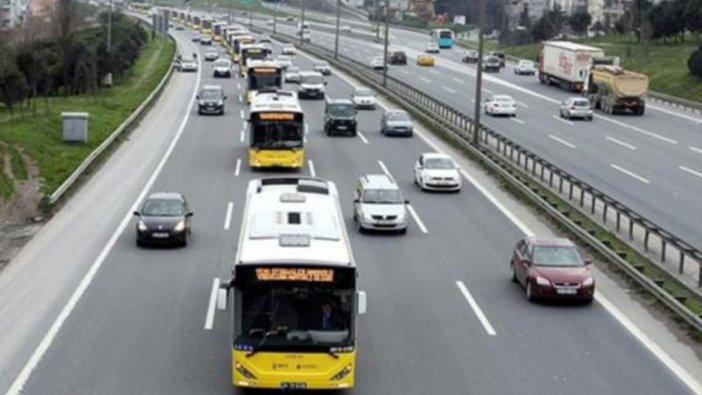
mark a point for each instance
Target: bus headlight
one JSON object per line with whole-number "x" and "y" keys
{"x": 343, "y": 373}
{"x": 243, "y": 371}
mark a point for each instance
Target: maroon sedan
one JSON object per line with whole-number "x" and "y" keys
{"x": 552, "y": 268}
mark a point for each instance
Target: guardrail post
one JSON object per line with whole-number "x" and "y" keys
{"x": 582, "y": 197}
{"x": 681, "y": 264}
{"x": 663, "y": 245}
{"x": 631, "y": 229}
{"x": 594, "y": 200}
{"x": 550, "y": 178}
{"x": 646, "y": 240}
{"x": 604, "y": 213}
{"x": 619, "y": 215}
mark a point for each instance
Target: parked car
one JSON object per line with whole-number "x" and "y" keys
{"x": 501, "y": 105}
{"x": 525, "y": 67}
{"x": 340, "y": 117}
{"x": 378, "y": 204}
{"x": 437, "y": 172}
{"x": 576, "y": 107}
{"x": 398, "y": 57}
{"x": 164, "y": 218}
{"x": 396, "y": 122}
{"x": 470, "y": 56}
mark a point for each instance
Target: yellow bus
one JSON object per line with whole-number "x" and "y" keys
{"x": 249, "y": 52}
{"x": 294, "y": 293}
{"x": 236, "y": 42}
{"x": 217, "y": 31}
{"x": 276, "y": 130}
{"x": 197, "y": 23}
{"x": 207, "y": 25}
{"x": 262, "y": 75}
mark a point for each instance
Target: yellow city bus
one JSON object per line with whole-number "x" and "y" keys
{"x": 262, "y": 75}
{"x": 294, "y": 292}
{"x": 249, "y": 52}
{"x": 276, "y": 130}
{"x": 197, "y": 23}
{"x": 207, "y": 25}
{"x": 237, "y": 41}
{"x": 217, "y": 31}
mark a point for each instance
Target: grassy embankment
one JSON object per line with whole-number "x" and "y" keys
{"x": 39, "y": 136}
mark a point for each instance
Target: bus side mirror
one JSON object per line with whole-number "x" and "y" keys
{"x": 222, "y": 296}
{"x": 362, "y": 302}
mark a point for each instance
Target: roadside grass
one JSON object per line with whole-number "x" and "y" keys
{"x": 39, "y": 136}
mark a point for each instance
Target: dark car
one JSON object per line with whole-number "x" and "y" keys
{"x": 499, "y": 55}
{"x": 396, "y": 122}
{"x": 552, "y": 268}
{"x": 340, "y": 117}
{"x": 164, "y": 218}
{"x": 210, "y": 100}
{"x": 398, "y": 57}
{"x": 491, "y": 64}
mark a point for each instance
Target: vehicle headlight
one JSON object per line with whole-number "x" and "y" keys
{"x": 367, "y": 217}
{"x": 220, "y": 102}
{"x": 542, "y": 281}
{"x": 343, "y": 373}
{"x": 243, "y": 371}
{"x": 180, "y": 226}
{"x": 142, "y": 226}
{"x": 201, "y": 102}
{"x": 588, "y": 282}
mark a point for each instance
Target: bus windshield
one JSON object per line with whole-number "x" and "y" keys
{"x": 258, "y": 81}
{"x": 445, "y": 34}
{"x": 277, "y": 134}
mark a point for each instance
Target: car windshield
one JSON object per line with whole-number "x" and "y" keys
{"x": 526, "y": 63}
{"x": 556, "y": 256}
{"x": 341, "y": 110}
{"x": 222, "y": 63}
{"x": 439, "y": 164}
{"x": 503, "y": 99}
{"x": 163, "y": 208}
{"x": 398, "y": 116}
{"x": 187, "y": 60}
{"x": 263, "y": 81}
{"x": 215, "y": 52}
{"x": 581, "y": 103}
{"x": 312, "y": 79}
{"x": 321, "y": 64}
{"x": 382, "y": 196}
{"x": 363, "y": 92}
{"x": 211, "y": 94}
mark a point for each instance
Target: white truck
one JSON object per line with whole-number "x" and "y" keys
{"x": 566, "y": 64}
{"x": 303, "y": 31}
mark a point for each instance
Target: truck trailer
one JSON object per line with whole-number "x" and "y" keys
{"x": 615, "y": 90}
{"x": 566, "y": 64}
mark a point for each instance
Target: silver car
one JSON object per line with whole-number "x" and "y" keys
{"x": 576, "y": 107}
{"x": 378, "y": 204}
{"x": 323, "y": 67}
{"x": 292, "y": 74}
{"x": 284, "y": 61}
{"x": 396, "y": 122}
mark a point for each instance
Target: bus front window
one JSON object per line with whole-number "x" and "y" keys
{"x": 280, "y": 135}
{"x": 263, "y": 81}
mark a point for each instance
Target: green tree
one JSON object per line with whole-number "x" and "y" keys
{"x": 580, "y": 21}
{"x": 693, "y": 15}
{"x": 549, "y": 25}
{"x": 694, "y": 62}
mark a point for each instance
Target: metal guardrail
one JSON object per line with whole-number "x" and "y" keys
{"x": 68, "y": 183}
{"x": 507, "y": 157}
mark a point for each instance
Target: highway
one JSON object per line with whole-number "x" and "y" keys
{"x": 653, "y": 163}
{"x": 138, "y": 322}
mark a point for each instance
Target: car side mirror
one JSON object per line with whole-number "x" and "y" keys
{"x": 362, "y": 302}
{"x": 197, "y": 97}
{"x": 138, "y": 214}
{"x": 406, "y": 201}
{"x": 325, "y": 83}
{"x": 224, "y": 98}
{"x": 189, "y": 214}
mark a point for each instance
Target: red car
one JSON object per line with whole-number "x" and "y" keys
{"x": 552, "y": 268}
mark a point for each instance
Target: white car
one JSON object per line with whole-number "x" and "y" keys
{"x": 222, "y": 68}
{"x": 346, "y": 29}
{"x": 576, "y": 107}
{"x": 269, "y": 22}
{"x": 211, "y": 55}
{"x": 432, "y": 48}
{"x": 377, "y": 63}
{"x": 363, "y": 98}
{"x": 501, "y": 105}
{"x": 525, "y": 67}
{"x": 284, "y": 61}
{"x": 186, "y": 64}
{"x": 437, "y": 172}
{"x": 292, "y": 74}
{"x": 322, "y": 66}
{"x": 288, "y": 50}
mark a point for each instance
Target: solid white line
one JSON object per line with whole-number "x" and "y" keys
{"x": 560, "y": 140}
{"x": 385, "y": 169}
{"x": 449, "y": 90}
{"x": 562, "y": 120}
{"x": 241, "y": 114}
{"x": 238, "y": 167}
{"x": 426, "y": 81}
{"x": 636, "y": 129}
{"x": 623, "y": 144}
{"x": 460, "y": 81}
{"x": 688, "y": 170}
{"x": 209, "y": 318}
{"x": 522, "y": 104}
{"x": 519, "y": 121}
{"x": 630, "y": 174}
{"x": 242, "y": 136}
{"x": 362, "y": 137}
{"x": 419, "y": 222}
{"x": 695, "y": 149}
{"x": 241, "y": 99}
{"x": 21, "y": 380}
{"x": 313, "y": 173}
{"x": 228, "y": 216}
{"x": 677, "y": 114}
{"x": 476, "y": 309}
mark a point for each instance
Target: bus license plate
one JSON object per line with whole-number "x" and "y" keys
{"x": 293, "y": 386}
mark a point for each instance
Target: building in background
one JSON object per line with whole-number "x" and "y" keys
{"x": 13, "y": 14}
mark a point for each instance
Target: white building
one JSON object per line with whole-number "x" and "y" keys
{"x": 13, "y": 13}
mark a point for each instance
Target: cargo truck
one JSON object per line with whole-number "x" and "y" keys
{"x": 615, "y": 90}
{"x": 566, "y": 64}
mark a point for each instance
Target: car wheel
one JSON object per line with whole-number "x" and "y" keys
{"x": 403, "y": 231}
{"x": 139, "y": 243}
{"x": 184, "y": 242}
{"x": 512, "y": 271}
{"x": 589, "y": 118}
{"x": 588, "y": 301}
{"x": 530, "y": 292}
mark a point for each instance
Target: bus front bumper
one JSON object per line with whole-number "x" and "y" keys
{"x": 290, "y": 159}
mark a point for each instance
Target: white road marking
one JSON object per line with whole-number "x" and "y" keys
{"x": 688, "y": 170}
{"x": 238, "y": 85}
{"x": 562, "y": 120}
{"x": 488, "y": 91}
{"x": 241, "y": 114}
{"x": 637, "y": 129}
{"x": 228, "y": 216}
{"x": 242, "y": 136}
{"x": 519, "y": 121}
{"x": 362, "y": 137}
{"x": 623, "y": 144}
{"x": 241, "y": 99}
{"x": 460, "y": 81}
{"x": 449, "y": 90}
{"x": 630, "y": 173}
{"x": 476, "y": 309}
{"x": 560, "y": 140}
{"x": 426, "y": 81}
{"x": 434, "y": 72}
{"x": 521, "y": 104}
{"x": 416, "y": 218}
{"x": 695, "y": 149}
{"x": 313, "y": 172}
{"x": 385, "y": 169}
{"x": 209, "y": 318}
{"x": 677, "y": 114}
{"x": 403, "y": 71}
{"x": 21, "y": 379}
{"x": 238, "y": 167}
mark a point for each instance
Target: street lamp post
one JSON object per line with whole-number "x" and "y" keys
{"x": 479, "y": 72}
{"x": 377, "y": 22}
{"x": 387, "y": 35}
{"x": 251, "y": 11}
{"x": 336, "y": 39}
{"x": 275, "y": 16}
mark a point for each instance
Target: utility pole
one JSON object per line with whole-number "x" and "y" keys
{"x": 377, "y": 21}
{"x": 229, "y": 13}
{"x": 387, "y": 35}
{"x": 251, "y": 11}
{"x": 275, "y": 16}
{"x": 479, "y": 78}
{"x": 302, "y": 23}
{"x": 336, "y": 39}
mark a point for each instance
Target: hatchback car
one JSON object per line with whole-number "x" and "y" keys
{"x": 164, "y": 218}
{"x": 552, "y": 268}
{"x": 292, "y": 74}
{"x": 186, "y": 64}
{"x": 437, "y": 172}
{"x": 322, "y": 66}
{"x": 576, "y": 107}
{"x": 210, "y": 100}
{"x": 501, "y": 105}
{"x": 425, "y": 60}
{"x": 469, "y": 56}
{"x": 288, "y": 50}
{"x": 340, "y": 117}
{"x": 491, "y": 64}
{"x": 525, "y": 67}
{"x": 377, "y": 63}
{"x": 363, "y": 98}
{"x": 205, "y": 39}
{"x": 378, "y": 204}
{"x": 432, "y": 48}
{"x": 284, "y": 61}
{"x": 398, "y": 58}
{"x": 396, "y": 122}
{"x": 222, "y": 68}
{"x": 211, "y": 55}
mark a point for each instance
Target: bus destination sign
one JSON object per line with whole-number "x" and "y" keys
{"x": 295, "y": 274}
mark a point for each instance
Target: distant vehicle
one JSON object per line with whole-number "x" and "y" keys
{"x": 425, "y": 60}
{"x": 222, "y": 68}
{"x": 470, "y": 56}
{"x": 615, "y": 90}
{"x": 566, "y": 64}
{"x": 576, "y": 107}
{"x": 284, "y": 61}
{"x": 396, "y": 122}
{"x": 195, "y": 39}
{"x": 322, "y": 66}
{"x": 290, "y": 18}
{"x": 377, "y": 63}
{"x": 340, "y": 117}
{"x": 552, "y": 268}
{"x": 525, "y": 67}
{"x": 491, "y": 63}
{"x": 265, "y": 39}
{"x": 346, "y": 29}
{"x": 312, "y": 84}
{"x": 262, "y": 75}
{"x": 499, "y": 55}
{"x": 269, "y": 22}
{"x": 432, "y": 48}
{"x": 164, "y": 218}
{"x": 363, "y": 98}
{"x": 289, "y": 50}
{"x": 378, "y": 205}
{"x": 211, "y": 55}
{"x": 186, "y": 64}
{"x": 205, "y": 39}
{"x": 398, "y": 57}
{"x": 443, "y": 37}
{"x": 210, "y": 100}
{"x": 179, "y": 27}
{"x": 292, "y": 74}
{"x": 501, "y": 105}
{"x": 437, "y": 172}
